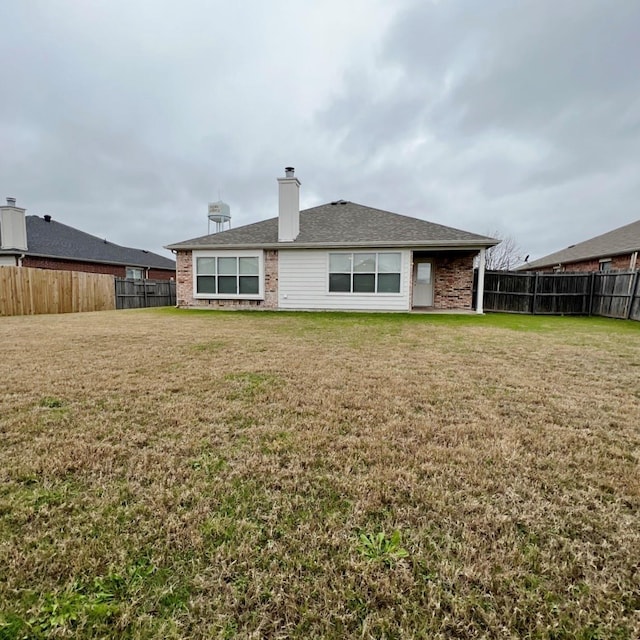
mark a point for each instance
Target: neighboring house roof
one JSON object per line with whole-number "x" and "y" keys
{"x": 53, "y": 239}
{"x": 342, "y": 224}
{"x": 613, "y": 243}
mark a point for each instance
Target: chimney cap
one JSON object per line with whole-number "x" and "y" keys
{"x": 11, "y": 202}
{"x": 47, "y": 218}
{"x": 288, "y": 172}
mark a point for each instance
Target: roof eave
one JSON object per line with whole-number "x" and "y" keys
{"x": 32, "y": 254}
{"x": 451, "y": 245}
{"x": 597, "y": 256}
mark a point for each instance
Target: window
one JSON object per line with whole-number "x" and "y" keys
{"x": 423, "y": 273}
{"x": 364, "y": 272}
{"x": 228, "y": 276}
{"x": 135, "y": 273}
{"x": 605, "y": 265}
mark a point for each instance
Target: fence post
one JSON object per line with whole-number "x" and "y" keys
{"x": 633, "y": 291}
{"x": 535, "y": 294}
{"x": 591, "y": 290}
{"x": 144, "y": 288}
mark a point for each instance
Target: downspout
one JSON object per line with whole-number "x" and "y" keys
{"x": 480, "y": 291}
{"x": 634, "y": 261}
{"x": 20, "y": 258}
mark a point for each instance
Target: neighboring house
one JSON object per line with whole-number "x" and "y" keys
{"x": 43, "y": 243}
{"x": 617, "y": 249}
{"x": 341, "y": 256}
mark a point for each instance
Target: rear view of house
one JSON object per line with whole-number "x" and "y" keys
{"x": 336, "y": 256}
{"x": 44, "y": 243}
{"x": 615, "y": 250}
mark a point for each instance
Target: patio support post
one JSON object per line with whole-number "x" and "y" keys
{"x": 480, "y": 288}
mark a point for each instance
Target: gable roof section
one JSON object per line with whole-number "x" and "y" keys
{"x": 342, "y": 224}
{"x": 56, "y": 240}
{"x": 613, "y": 243}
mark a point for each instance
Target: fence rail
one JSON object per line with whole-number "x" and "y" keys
{"x": 27, "y": 291}
{"x": 610, "y": 294}
{"x": 137, "y": 294}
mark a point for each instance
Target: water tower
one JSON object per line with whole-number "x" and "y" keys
{"x": 220, "y": 213}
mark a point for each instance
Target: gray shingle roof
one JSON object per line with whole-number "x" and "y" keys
{"x": 619, "y": 241}
{"x": 342, "y": 224}
{"x": 56, "y": 240}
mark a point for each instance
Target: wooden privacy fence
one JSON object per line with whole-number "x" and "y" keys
{"x": 136, "y": 294}
{"x": 610, "y": 294}
{"x": 26, "y": 291}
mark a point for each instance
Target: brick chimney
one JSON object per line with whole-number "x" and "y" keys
{"x": 13, "y": 226}
{"x": 289, "y": 206}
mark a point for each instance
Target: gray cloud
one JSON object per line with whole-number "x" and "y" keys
{"x": 523, "y": 109}
{"x": 125, "y": 119}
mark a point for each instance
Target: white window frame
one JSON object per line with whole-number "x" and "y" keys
{"x": 228, "y": 254}
{"x": 142, "y": 270}
{"x": 605, "y": 265}
{"x": 351, "y": 252}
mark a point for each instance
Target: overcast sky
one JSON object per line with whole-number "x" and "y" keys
{"x": 124, "y": 118}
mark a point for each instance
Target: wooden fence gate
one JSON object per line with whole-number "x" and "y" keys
{"x": 138, "y": 294}
{"x": 609, "y": 294}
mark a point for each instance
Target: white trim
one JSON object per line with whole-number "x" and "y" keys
{"x": 601, "y": 265}
{"x": 144, "y": 273}
{"x": 480, "y": 291}
{"x": 7, "y": 260}
{"x": 228, "y": 254}
{"x": 414, "y": 267}
{"x": 350, "y": 294}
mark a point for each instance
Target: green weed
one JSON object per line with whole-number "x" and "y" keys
{"x": 382, "y": 548}
{"x": 51, "y": 403}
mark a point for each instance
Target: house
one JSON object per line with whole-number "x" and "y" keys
{"x": 43, "y": 243}
{"x": 337, "y": 256}
{"x": 617, "y": 249}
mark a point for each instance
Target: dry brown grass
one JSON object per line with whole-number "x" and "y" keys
{"x": 195, "y": 475}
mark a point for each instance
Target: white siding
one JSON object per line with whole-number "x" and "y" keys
{"x": 7, "y": 261}
{"x": 303, "y": 283}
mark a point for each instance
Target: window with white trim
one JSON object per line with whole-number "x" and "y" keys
{"x": 227, "y": 276}
{"x": 365, "y": 272}
{"x": 135, "y": 273}
{"x": 606, "y": 264}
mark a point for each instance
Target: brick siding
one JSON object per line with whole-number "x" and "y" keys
{"x": 184, "y": 281}
{"x": 71, "y": 265}
{"x": 453, "y": 281}
{"x": 161, "y": 274}
{"x": 618, "y": 263}
{"x": 117, "y": 270}
{"x": 453, "y": 284}
{"x": 271, "y": 279}
{"x": 184, "y": 286}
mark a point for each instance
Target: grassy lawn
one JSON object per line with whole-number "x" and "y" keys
{"x": 169, "y": 474}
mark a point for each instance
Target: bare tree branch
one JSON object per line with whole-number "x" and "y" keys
{"x": 504, "y": 256}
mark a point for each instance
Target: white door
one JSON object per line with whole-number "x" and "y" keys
{"x": 422, "y": 284}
